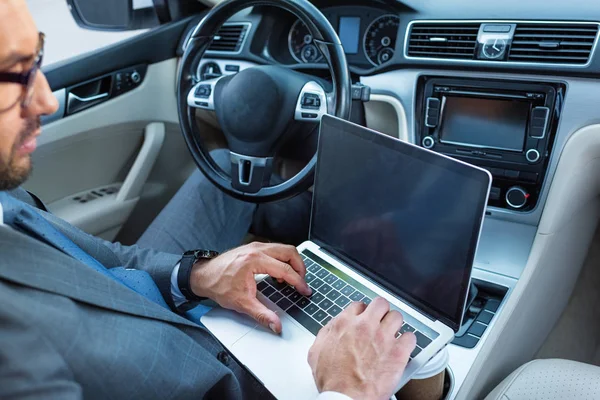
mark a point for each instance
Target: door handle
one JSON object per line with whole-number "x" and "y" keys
{"x": 87, "y": 99}
{"x": 78, "y": 103}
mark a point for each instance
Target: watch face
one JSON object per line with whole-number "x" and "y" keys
{"x": 494, "y": 49}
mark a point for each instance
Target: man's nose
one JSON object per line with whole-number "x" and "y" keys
{"x": 43, "y": 101}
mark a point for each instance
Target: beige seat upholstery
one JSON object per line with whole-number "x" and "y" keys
{"x": 552, "y": 379}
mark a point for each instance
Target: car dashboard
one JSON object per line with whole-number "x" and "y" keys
{"x": 510, "y": 87}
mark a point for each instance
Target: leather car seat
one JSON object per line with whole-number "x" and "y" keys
{"x": 550, "y": 379}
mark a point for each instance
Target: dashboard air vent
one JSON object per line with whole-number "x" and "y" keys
{"x": 443, "y": 40}
{"x": 229, "y": 38}
{"x": 553, "y": 43}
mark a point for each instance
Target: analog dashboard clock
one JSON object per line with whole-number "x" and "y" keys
{"x": 494, "y": 49}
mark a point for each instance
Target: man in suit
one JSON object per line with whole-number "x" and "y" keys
{"x": 85, "y": 318}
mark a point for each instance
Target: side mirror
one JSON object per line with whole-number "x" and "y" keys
{"x": 112, "y": 15}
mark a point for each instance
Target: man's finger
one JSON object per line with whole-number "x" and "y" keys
{"x": 288, "y": 255}
{"x": 392, "y": 322}
{"x": 281, "y": 270}
{"x": 267, "y": 318}
{"x": 404, "y": 346}
{"x": 378, "y": 308}
{"x": 355, "y": 308}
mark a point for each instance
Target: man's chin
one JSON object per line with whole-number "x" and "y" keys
{"x": 14, "y": 175}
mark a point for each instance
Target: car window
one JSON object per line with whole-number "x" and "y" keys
{"x": 64, "y": 38}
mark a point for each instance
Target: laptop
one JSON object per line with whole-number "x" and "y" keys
{"x": 388, "y": 219}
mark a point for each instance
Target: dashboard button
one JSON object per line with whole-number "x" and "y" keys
{"x": 529, "y": 176}
{"x": 495, "y": 193}
{"x": 511, "y": 174}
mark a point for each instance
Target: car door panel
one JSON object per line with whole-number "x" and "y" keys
{"x": 96, "y": 165}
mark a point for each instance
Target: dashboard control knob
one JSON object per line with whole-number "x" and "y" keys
{"x": 428, "y": 142}
{"x": 517, "y": 197}
{"x": 532, "y": 155}
{"x": 136, "y": 77}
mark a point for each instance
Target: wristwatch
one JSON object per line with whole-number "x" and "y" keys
{"x": 185, "y": 271}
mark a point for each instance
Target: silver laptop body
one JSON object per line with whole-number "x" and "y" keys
{"x": 338, "y": 277}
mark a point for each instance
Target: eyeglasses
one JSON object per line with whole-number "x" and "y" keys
{"x": 26, "y": 79}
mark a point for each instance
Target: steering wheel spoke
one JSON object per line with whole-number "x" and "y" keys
{"x": 202, "y": 94}
{"x": 250, "y": 174}
{"x": 312, "y": 103}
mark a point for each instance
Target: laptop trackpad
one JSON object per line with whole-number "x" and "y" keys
{"x": 279, "y": 361}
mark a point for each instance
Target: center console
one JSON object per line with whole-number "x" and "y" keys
{"x": 505, "y": 127}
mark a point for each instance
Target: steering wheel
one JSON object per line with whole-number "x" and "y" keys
{"x": 257, "y": 106}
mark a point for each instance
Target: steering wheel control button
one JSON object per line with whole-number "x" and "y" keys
{"x": 232, "y": 68}
{"x": 532, "y": 156}
{"x": 432, "y": 112}
{"x": 517, "y": 197}
{"x": 428, "y": 142}
{"x": 311, "y": 101}
{"x": 203, "y": 91}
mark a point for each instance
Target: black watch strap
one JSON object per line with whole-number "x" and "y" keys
{"x": 185, "y": 271}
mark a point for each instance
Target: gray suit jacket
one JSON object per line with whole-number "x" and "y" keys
{"x": 67, "y": 331}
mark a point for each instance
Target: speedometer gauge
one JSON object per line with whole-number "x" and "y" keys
{"x": 301, "y": 44}
{"x": 380, "y": 39}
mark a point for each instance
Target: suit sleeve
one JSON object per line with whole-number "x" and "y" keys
{"x": 159, "y": 265}
{"x": 30, "y": 366}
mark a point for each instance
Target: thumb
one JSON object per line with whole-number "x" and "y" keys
{"x": 267, "y": 318}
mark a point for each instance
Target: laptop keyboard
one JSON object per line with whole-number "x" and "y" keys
{"x": 331, "y": 295}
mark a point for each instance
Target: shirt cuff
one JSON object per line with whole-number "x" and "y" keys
{"x": 178, "y": 297}
{"x": 332, "y": 396}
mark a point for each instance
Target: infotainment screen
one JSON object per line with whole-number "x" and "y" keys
{"x": 476, "y": 122}
{"x": 349, "y": 34}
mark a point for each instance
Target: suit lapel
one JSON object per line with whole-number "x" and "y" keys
{"x": 32, "y": 263}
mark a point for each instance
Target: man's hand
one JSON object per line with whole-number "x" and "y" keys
{"x": 229, "y": 278}
{"x": 357, "y": 353}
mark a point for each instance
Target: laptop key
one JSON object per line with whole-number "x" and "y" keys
{"x": 311, "y": 309}
{"x": 303, "y": 302}
{"x": 320, "y": 315}
{"x": 422, "y": 340}
{"x": 304, "y": 319}
{"x": 287, "y": 290}
{"x": 415, "y": 352}
{"x": 268, "y": 291}
{"x": 342, "y": 301}
{"x": 316, "y": 297}
{"x": 275, "y": 297}
{"x": 357, "y": 296}
{"x": 309, "y": 278}
{"x": 294, "y": 296}
{"x": 275, "y": 284}
{"x": 326, "y": 320}
{"x": 317, "y": 283}
{"x": 334, "y": 294}
{"x": 322, "y": 273}
{"x": 367, "y": 300}
{"x": 261, "y": 286}
{"x": 312, "y": 267}
{"x": 339, "y": 284}
{"x": 325, "y": 304}
{"x": 347, "y": 291}
{"x": 284, "y": 303}
{"x": 330, "y": 279}
{"x": 406, "y": 328}
{"x": 334, "y": 311}
{"x": 325, "y": 289}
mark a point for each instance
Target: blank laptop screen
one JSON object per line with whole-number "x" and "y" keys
{"x": 408, "y": 218}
